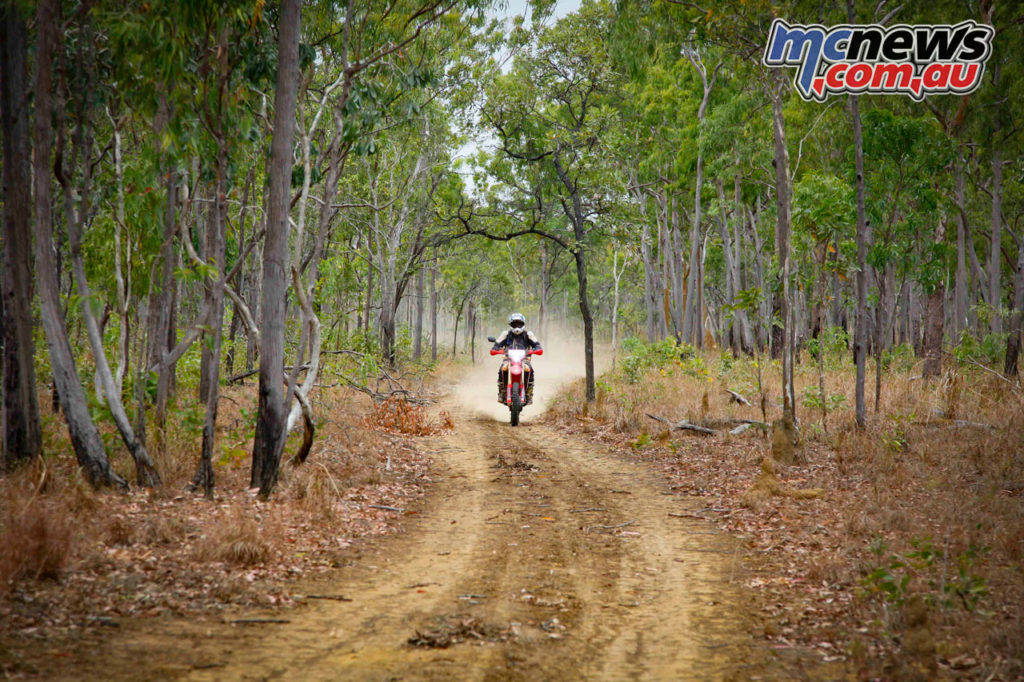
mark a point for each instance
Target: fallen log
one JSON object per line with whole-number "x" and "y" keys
{"x": 683, "y": 425}
{"x": 735, "y": 397}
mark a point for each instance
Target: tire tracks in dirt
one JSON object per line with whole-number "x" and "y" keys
{"x": 551, "y": 558}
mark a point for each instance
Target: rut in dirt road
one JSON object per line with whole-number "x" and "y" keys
{"x": 538, "y": 558}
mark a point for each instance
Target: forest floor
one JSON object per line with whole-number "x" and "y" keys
{"x": 557, "y": 550}
{"x": 896, "y": 550}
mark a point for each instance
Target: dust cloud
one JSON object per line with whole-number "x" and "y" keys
{"x": 562, "y": 362}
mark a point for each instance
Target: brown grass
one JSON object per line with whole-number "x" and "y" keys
{"x": 36, "y": 526}
{"x": 168, "y": 551}
{"x": 236, "y": 538}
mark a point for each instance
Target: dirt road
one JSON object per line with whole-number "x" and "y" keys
{"x": 537, "y": 557}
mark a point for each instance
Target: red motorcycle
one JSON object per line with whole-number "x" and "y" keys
{"x": 516, "y": 373}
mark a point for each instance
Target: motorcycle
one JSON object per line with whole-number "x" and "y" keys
{"x": 516, "y": 371}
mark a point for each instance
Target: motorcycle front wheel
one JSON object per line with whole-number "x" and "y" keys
{"x": 515, "y": 408}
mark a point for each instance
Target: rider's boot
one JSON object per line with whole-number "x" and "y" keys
{"x": 501, "y": 392}
{"x": 529, "y": 393}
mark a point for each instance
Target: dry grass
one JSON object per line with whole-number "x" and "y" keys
{"x": 152, "y": 552}
{"x": 913, "y": 478}
{"x": 236, "y": 538}
{"x": 36, "y": 526}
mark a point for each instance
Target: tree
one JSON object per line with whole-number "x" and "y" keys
{"x": 21, "y": 436}
{"x": 268, "y": 442}
{"x": 552, "y": 112}
{"x": 85, "y": 438}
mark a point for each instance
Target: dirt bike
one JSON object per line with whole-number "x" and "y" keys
{"x": 516, "y": 371}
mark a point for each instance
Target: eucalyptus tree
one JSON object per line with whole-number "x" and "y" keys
{"x": 21, "y": 431}
{"x": 553, "y": 111}
{"x": 85, "y": 437}
{"x": 905, "y": 156}
{"x": 270, "y": 425}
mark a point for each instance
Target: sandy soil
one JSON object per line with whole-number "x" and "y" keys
{"x": 537, "y": 557}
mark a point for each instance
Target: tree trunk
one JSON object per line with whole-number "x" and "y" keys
{"x": 692, "y": 328}
{"x": 21, "y": 434}
{"x": 588, "y": 320}
{"x": 121, "y": 279}
{"x": 782, "y": 243}
{"x": 216, "y": 243}
{"x": 542, "y": 322}
{"x": 574, "y": 211}
{"x": 417, "y": 343}
{"x": 210, "y": 254}
{"x": 933, "y": 331}
{"x": 75, "y": 217}
{"x": 860, "y": 341}
{"x": 730, "y": 331}
{"x": 1013, "y": 339}
{"x": 472, "y": 333}
{"x": 165, "y": 339}
{"x": 85, "y": 438}
{"x": 995, "y": 298}
{"x": 433, "y": 310}
{"x": 960, "y": 287}
{"x": 146, "y": 473}
{"x": 763, "y": 312}
{"x": 270, "y": 432}
{"x": 650, "y": 278}
{"x": 616, "y": 275}
{"x": 739, "y": 279}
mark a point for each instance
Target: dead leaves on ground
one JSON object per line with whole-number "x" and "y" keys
{"x": 398, "y": 415}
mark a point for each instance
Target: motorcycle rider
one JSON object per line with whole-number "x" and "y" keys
{"x": 516, "y": 337}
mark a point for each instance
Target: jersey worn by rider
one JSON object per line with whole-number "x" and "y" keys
{"x": 525, "y": 341}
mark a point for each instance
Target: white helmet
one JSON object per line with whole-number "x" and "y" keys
{"x": 517, "y": 323}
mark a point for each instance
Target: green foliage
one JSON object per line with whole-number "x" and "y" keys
{"x": 235, "y": 447}
{"x": 812, "y": 399}
{"x": 900, "y": 358}
{"x": 988, "y": 350}
{"x": 642, "y": 441}
{"x": 895, "y": 436}
{"x": 943, "y": 580}
{"x": 642, "y": 356}
{"x": 836, "y": 343}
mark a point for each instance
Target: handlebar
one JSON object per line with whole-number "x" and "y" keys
{"x": 539, "y": 351}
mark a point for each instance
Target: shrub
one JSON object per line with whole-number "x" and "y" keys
{"x": 988, "y": 350}
{"x": 642, "y": 356}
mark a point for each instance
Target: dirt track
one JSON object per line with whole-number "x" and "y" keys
{"x": 547, "y": 558}
{"x": 536, "y": 557}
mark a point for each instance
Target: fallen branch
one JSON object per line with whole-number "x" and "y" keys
{"x": 684, "y": 426}
{"x": 335, "y": 597}
{"x": 379, "y": 396}
{"x": 245, "y": 375}
{"x": 735, "y": 397}
{"x": 956, "y": 424}
{"x": 385, "y": 508}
